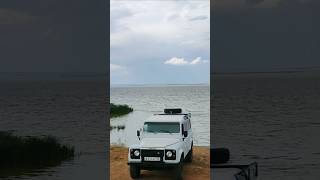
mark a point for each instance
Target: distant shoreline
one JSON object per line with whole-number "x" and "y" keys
{"x": 53, "y": 76}
{"x": 296, "y": 73}
{"x": 156, "y": 85}
{"x": 287, "y": 71}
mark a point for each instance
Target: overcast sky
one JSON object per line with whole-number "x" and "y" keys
{"x": 53, "y": 36}
{"x": 160, "y": 42}
{"x": 266, "y": 35}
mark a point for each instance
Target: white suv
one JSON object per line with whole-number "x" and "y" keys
{"x": 165, "y": 143}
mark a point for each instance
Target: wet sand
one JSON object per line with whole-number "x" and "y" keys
{"x": 198, "y": 169}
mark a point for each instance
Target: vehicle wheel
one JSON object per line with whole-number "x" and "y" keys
{"x": 134, "y": 171}
{"x": 178, "y": 169}
{"x": 190, "y": 155}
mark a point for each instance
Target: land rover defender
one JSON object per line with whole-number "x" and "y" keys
{"x": 165, "y": 142}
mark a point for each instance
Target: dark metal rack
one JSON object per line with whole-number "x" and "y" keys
{"x": 248, "y": 172}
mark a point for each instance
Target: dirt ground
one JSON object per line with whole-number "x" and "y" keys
{"x": 198, "y": 169}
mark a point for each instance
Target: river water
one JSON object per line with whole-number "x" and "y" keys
{"x": 72, "y": 111}
{"x": 147, "y": 100}
{"x": 271, "y": 118}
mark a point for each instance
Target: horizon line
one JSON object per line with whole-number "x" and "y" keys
{"x": 154, "y": 84}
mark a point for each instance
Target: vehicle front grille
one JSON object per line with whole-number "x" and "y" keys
{"x": 152, "y": 153}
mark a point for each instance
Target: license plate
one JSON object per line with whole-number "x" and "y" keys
{"x": 152, "y": 158}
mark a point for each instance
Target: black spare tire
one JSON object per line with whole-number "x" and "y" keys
{"x": 219, "y": 155}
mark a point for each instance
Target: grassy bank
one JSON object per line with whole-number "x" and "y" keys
{"x": 119, "y": 110}
{"x": 29, "y": 152}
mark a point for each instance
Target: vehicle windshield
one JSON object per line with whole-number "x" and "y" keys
{"x": 161, "y": 127}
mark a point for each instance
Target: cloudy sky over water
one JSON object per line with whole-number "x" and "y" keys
{"x": 159, "y": 42}
{"x": 53, "y": 36}
{"x": 266, "y": 35}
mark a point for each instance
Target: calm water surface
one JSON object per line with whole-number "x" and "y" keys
{"x": 73, "y": 111}
{"x": 149, "y": 100}
{"x": 273, "y": 119}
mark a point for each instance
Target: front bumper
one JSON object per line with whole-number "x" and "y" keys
{"x": 154, "y": 165}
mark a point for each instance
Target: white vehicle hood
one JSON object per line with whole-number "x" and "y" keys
{"x": 158, "y": 142}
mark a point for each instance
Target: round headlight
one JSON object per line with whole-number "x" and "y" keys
{"x": 136, "y": 153}
{"x": 169, "y": 154}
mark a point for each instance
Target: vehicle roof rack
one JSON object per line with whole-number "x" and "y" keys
{"x": 173, "y": 111}
{"x": 185, "y": 114}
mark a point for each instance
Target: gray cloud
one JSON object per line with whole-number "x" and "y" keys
{"x": 198, "y": 18}
{"x": 173, "y": 17}
{"x": 148, "y": 42}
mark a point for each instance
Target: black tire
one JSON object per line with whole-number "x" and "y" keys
{"x": 190, "y": 155}
{"x": 134, "y": 171}
{"x": 178, "y": 169}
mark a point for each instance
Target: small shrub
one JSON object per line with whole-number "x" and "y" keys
{"x": 20, "y": 152}
{"x": 119, "y": 110}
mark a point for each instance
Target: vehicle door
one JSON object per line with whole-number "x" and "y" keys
{"x": 189, "y": 138}
{"x": 184, "y": 139}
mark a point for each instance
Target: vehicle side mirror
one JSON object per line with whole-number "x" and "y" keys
{"x": 185, "y": 133}
{"x": 138, "y": 133}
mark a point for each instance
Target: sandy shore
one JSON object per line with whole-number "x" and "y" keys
{"x": 198, "y": 169}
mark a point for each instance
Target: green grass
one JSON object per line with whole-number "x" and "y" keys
{"x": 119, "y": 110}
{"x": 32, "y": 152}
